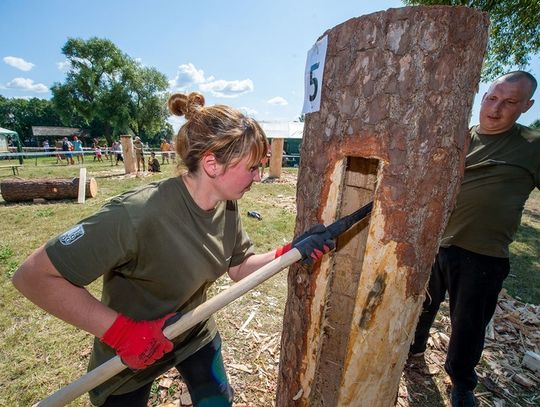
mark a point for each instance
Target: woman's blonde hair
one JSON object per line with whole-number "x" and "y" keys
{"x": 220, "y": 130}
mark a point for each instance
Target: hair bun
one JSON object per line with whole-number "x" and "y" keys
{"x": 185, "y": 105}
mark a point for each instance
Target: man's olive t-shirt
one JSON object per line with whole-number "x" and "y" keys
{"x": 500, "y": 173}
{"x": 158, "y": 252}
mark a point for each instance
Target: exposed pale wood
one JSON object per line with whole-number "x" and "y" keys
{"x": 128, "y": 153}
{"x": 81, "y": 193}
{"x": 276, "y": 158}
{"x": 17, "y": 190}
{"x": 397, "y": 93}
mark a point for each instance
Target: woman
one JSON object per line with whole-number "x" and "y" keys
{"x": 158, "y": 249}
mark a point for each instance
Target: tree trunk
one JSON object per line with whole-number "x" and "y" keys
{"x": 397, "y": 92}
{"x": 16, "y": 190}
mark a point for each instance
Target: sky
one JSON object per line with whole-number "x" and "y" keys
{"x": 246, "y": 54}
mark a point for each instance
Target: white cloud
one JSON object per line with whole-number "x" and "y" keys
{"x": 19, "y": 63}
{"x": 27, "y": 84}
{"x": 63, "y": 66}
{"x": 278, "y": 101}
{"x": 227, "y": 89}
{"x": 248, "y": 111}
{"x": 189, "y": 78}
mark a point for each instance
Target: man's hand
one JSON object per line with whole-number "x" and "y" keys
{"x": 312, "y": 244}
{"x": 138, "y": 343}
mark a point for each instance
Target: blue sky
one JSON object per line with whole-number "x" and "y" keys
{"x": 248, "y": 54}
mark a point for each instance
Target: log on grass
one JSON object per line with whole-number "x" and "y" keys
{"x": 17, "y": 190}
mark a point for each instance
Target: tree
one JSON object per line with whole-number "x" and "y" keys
{"x": 147, "y": 107}
{"x": 535, "y": 124}
{"x": 20, "y": 115}
{"x": 93, "y": 88}
{"x": 514, "y": 32}
{"x": 109, "y": 90}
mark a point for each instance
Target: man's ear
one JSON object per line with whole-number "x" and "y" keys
{"x": 210, "y": 165}
{"x": 528, "y": 105}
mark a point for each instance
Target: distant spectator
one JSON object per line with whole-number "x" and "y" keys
{"x": 165, "y": 147}
{"x": 78, "y": 148}
{"x": 66, "y": 148}
{"x": 265, "y": 160}
{"x": 117, "y": 150}
{"x": 153, "y": 163}
{"x": 97, "y": 151}
{"x": 58, "y": 147}
{"x": 139, "y": 153}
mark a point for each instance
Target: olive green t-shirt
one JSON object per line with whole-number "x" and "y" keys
{"x": 158, "y": 252}
{"x": 500, "y": 173}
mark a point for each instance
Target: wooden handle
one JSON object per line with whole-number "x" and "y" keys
{"x": 114, "y": 366}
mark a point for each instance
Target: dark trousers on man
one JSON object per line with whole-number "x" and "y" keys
{"x": 473, "y": 282}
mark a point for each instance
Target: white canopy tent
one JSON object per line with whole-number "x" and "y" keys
{"x": 284, "y": 130}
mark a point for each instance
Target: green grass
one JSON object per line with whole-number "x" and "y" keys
{"x": 40, "y": 353}
{"x": 523, "y": 283}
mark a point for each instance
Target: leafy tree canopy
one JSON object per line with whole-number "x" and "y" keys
{"x": 109, "y": 90}
{"x": 21, "y": 114}
{"x": 514, "y": 32}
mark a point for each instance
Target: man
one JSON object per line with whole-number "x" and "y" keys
{"x": 165, "y": 147}
{"x": 139, "y": 154}
{"x": 66, "y": 148}
{"x": 501, "y": 169}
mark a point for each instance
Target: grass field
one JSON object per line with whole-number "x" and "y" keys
{"x": 41, "y": 354}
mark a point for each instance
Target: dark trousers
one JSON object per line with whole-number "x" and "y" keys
{"x": 473, "y": 282}
{"x": 204, "y": 374}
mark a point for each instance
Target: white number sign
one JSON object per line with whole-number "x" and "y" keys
{"x": 313, "y": 78}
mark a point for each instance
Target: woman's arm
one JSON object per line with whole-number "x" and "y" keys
{"x": 250, "y": 264}
{"x": 39, "y": 281}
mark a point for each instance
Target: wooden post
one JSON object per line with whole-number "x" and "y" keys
{"x": 276, "y": 158}
{"x": 396, "y": 98}
{"x": 81, "y": 194}
{"x": 128, "y": 153}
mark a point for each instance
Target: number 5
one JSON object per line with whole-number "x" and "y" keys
{"x": 313, "y": 81}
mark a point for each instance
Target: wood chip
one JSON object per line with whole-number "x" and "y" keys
{"x": 524, "y": 381}
{"x": 166, "y": 383}
{"x": 240, "y": 367}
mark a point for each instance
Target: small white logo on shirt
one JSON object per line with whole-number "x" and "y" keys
{"x": 72, "y": 235}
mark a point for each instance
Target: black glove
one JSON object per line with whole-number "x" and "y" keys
{"x": 314, "y": 243}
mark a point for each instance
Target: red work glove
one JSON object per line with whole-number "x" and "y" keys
{"x": 312, "y": 244}
{"x": 138, "y": 343}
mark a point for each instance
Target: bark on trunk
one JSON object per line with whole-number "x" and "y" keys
{"x": 16, "y": 190}
{"x": 397, "y": 92}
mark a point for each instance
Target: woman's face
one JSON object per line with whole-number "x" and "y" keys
{"x": 236, "y": 179}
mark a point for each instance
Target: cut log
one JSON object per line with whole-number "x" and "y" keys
{"x": 396, "y": 96}
{"x": 18, "y": 190}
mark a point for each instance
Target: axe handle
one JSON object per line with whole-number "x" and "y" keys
{"x": 114, "y": 366}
